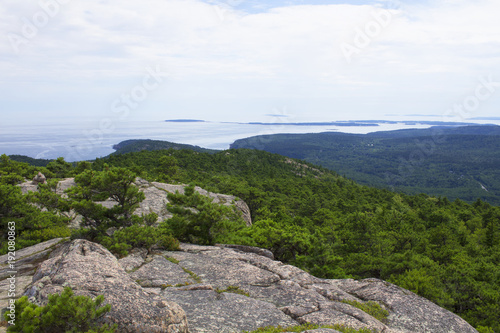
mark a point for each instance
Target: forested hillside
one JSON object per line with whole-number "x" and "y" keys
{"x": 456, "y": 162}
{"x": 130, "y": 146}
{"x": 30, "y": 160}
{"x": 306, "y": 215}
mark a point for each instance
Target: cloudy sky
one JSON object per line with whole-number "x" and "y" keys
{"x": 248, "y": 60}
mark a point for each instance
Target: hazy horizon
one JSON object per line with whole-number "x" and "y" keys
{"x": 88, "y": 140}
{"x": 247, "y": 60}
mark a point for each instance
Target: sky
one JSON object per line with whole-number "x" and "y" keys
{"x": 248, "y": 60}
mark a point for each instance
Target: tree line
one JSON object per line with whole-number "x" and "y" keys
{"x": 446, "y": 251}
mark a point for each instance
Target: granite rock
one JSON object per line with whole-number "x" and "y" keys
{"x": 221, "y": 289}
{"x": 91, "y": 270}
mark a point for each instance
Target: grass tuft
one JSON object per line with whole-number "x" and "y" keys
{"x": 305, "y": 327}
{"x": 172, "y": 260}
{"x": 234, "y": 290}
{"x": 372, "y": 308}
{"x": 193, "y": 275}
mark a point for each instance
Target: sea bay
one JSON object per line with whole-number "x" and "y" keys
{"x": 89, "y": 140}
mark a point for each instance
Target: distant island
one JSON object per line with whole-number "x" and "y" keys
{"x": 185, "y": 121}
{"x": 340, "y": 123}
{"x": 330, "y": 123}
{"x": 347, "y": 123}
{"x": 485, "y": 118}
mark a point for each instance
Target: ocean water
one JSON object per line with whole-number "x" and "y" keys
{"x": 87, "y": 141}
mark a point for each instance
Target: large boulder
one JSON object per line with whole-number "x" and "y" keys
{"x": 91, "y": 270}
{"x": 211, "y": 311}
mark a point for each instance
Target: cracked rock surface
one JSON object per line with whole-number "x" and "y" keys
{"x": 221, "y": 289}
{"x": 280, "y": 294}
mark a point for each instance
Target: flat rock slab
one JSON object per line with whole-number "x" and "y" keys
{"x": 302, "y": 297}
{"x": 333, "y": 313}
{"x": 222, "y": 268}
{"x": 209, "y": 311}
{"x": 287, "y": 293}
{"x": 134, "y": 260}
{"x": 160, "y": 272}
{"x": 408, "y": 311}
{"x": 249, "y": 249}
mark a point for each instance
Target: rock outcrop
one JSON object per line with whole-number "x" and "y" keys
{"x": 27, "y": 260}
{"x": 225, "y": 289}
{"x": 291, "y": 291}
{"x": 91, "y": 270}
{"x": 156, "y": 197}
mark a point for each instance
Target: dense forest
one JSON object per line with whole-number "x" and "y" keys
{"x": 308, "y": 216}
{"x": 456, "y": 162}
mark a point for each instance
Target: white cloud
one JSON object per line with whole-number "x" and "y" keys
{"x": 99, "y": 49}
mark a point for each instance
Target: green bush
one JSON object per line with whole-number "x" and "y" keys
{"x": 63, "y": 313}
{"x": 30, "y": 238}
{"x": 60, "y": 168}
{"x": 137, "y": 236}
{"x": 196, "y": 219}
{"x": 11, "y": 179}
{"x": 47, "y": 234}
{"x": 116, "y": 184}
{"x": 31, "y": 224}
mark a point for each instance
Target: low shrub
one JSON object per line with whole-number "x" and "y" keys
{"x": 47, "y": 234}
{"x": 138, "y": 236}
{"x": 63, "y": 313}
